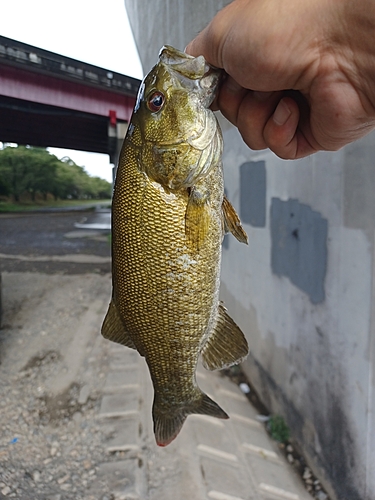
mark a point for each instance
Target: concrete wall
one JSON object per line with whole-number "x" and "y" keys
{"x": 303, "y": 290}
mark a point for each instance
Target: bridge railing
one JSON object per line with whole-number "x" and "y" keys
{"x": 35, "y": 59}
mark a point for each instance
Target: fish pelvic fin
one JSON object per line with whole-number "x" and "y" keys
{"x": 232, "y": 222}
{"x": 226, "y": 345}
{"x": 113, "y": 327}
{"x": 167, "y": 425}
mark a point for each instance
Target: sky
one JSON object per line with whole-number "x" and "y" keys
{"x": 93, "y": 31}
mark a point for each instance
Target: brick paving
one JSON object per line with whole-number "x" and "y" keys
{"x": 210, "y": 459}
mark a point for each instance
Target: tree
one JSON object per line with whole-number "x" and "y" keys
{"x": 34, "y": 170}
{"x": 14, "y": 165}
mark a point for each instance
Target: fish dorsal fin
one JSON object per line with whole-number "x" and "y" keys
{"x": 232, "y": 222}
{"x": 226, "y": 345}
{"x": 113, "y": 328}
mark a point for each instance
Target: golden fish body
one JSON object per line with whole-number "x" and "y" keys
{"x": 169, "y": 215}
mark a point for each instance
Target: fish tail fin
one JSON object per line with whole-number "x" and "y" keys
{"x": 168, "y": 425}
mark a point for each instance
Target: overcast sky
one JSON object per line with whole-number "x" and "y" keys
{"x": 92, "y": 31}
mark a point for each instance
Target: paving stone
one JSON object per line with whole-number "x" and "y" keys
{"x": 224, "y": 478}
{"x": 218, "y": 495}
{"x": 252, "y": 435}
{"x": 212, "y": 432}
{"x": 121, "y": 434}
{"x": 273, "y": 493}
{"x": 119, "y": 405}
{"x": 211, "y": 459}
{"x": 121, "y": 476}
{"x": 122, "y": 379}
{"x": 253, "y": 422}
{"x": 274, "y": 478}
{"x": 234, "y": 403}
{"x": 262, "y": 452}
{"x": 217, "y": 454}
{"x": 174, "y": 472}
{"x": 123, "y": 356}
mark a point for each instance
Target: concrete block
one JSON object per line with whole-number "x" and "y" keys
{"x": 224, "y": 479}
{"x": 253, "y": 435}
{"x": 119, "y": 405}
{"x": 273, "y": 478}
{"x": 121, "y": 379}
{"x": 214, "y": 433}
{"x": 123, "y": 356}
{"x": 234, "y": 403}
{"x": 121, "y": 434}
{"x": 120, "y": 476}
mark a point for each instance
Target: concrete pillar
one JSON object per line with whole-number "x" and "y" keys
{"x": 116, "y": 134}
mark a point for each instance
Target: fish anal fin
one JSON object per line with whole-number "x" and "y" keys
{"x": 209, "y": 407}
{"x": 226, "y": 345}
{"x": 167, "y": 424}
{"x": 197, "y": 218}
{"x": 232, "y": 222}
{"x": 113, "y": 327}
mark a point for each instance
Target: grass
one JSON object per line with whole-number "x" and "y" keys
{"x": 25, "y": 206}
{"x": 278, "y": 429}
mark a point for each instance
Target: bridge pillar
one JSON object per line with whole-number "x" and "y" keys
{"x": 116, "y": 134}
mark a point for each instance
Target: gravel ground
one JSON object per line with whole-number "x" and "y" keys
{"x": 52, "y": 359}
{"x": 51, "y": 378}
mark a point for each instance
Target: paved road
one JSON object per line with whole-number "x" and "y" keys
{"x": 102, "y": 446}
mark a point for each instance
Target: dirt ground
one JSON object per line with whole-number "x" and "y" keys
{"x": 52, "y": 358}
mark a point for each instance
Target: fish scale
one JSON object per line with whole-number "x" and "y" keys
{"x": 168, "y": 219}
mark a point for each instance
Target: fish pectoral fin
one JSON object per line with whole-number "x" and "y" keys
{"x": 232, "y": 222}
{"x": 197, "y": 218}
{"x": 226, "y": 345}
{"x": 113, "y": 327}
{"x": 168, "y": 425}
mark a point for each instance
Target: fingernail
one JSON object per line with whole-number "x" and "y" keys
{"x": 261, "y": 96}
{"x": 281, "y": 113}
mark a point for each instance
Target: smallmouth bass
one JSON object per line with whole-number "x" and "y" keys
{"x": 169, "y": 216}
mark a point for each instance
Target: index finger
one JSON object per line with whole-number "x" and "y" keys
{"x": 210, "y": 41}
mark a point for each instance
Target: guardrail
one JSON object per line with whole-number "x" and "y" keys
{"x": 39, "y": 60}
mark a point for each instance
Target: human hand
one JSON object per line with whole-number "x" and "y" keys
{"x": 300, "y": 75}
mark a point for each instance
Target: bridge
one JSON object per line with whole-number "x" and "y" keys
{"x": 50, "y": 100}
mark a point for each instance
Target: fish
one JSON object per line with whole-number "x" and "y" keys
{"x": 169, "y": 217}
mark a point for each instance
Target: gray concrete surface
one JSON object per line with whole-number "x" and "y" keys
{"x": 210, "y": 459}
{"x": 307, "y": 307}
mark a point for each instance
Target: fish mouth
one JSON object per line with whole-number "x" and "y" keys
{"x": 192, "y": 72}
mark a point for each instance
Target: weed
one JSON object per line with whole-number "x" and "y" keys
{"x": 278, "y": 429}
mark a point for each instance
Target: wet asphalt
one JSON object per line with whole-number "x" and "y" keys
{"x": 54, "y": 234}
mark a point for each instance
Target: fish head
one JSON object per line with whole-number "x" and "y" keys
{"x": 181, "y": 138}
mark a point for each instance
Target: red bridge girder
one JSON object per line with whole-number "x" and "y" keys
{"x": 43, "y": 89}
{"x": 51, "y": 100}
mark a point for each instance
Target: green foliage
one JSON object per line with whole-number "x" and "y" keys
{"x": 36, "y": 171}
{"x": 278, "y": 429}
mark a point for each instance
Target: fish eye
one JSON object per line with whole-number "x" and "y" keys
{"x": 155, "y": 101}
